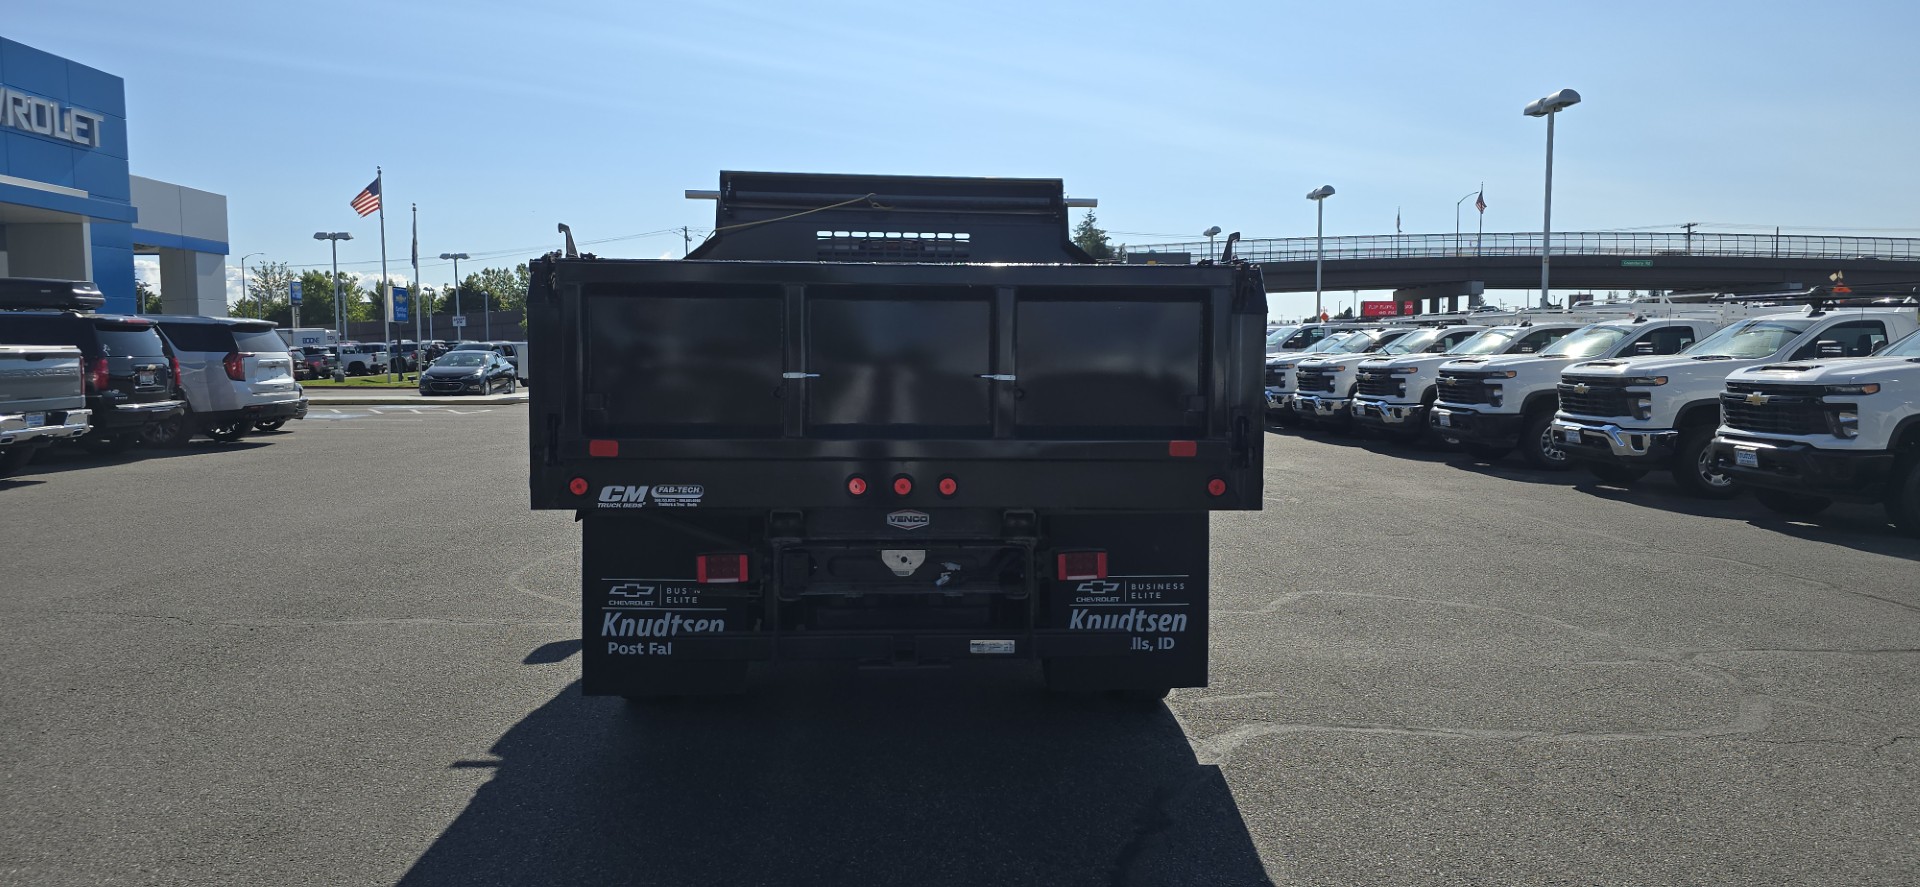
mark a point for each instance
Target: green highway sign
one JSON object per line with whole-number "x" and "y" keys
{"x": 1636, "y": 263}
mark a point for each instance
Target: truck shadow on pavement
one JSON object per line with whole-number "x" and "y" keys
{"x": 836, "y": 776}
{"x": 54, "y": 460}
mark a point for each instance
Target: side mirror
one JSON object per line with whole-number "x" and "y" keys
{"x": 1829, "y": 348}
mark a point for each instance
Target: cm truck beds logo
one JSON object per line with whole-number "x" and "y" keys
{"x": 661, "y": 495}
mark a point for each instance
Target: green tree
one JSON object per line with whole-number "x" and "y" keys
{"x": 1345, "y": 313}
{"x": 147, "y": 298}
{"x": 1090, "y": 237}
{"x": 495, "y": 289}
{"x": 266, "y": 292}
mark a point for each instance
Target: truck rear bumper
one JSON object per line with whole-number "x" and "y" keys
{"x": 260, "y": 412}
{"x": 120, "y": 417}
{"x": 1611, "y": 443}
{"x": 1801, "y": 468}
{"x": 23, "y": 428}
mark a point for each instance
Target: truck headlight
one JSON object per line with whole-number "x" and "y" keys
{"x": 1407, "y": 370}
{"x": 1869, "y": 388}
{"x": 1846, "y": 424}
{"x": 1652, "y": 381}
{"x": 1643, "y": 407}
{"x": 1496, "y": 396}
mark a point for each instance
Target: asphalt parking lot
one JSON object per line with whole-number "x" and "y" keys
{"x": 345, "y": 655}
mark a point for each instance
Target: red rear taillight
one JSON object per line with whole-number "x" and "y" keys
{"x": 902, "y": 485}
{"x": 721, "y": 569}
{"x": 1182, "y": 448}
{"x": 577, "y": 486}
{"x": 1077, "y": 565}
{"x": 236, "y": 364}
{"x": 1216, "y": 487}
{"x": 949, "y": 486}
{"x": 856, "y": 486}
{"x": 98, "y": 379}
{"x": 603, "y": 449}
{"x": 174, "y": 363}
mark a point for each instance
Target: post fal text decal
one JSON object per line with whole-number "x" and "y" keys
{"x": 655, "y": 496}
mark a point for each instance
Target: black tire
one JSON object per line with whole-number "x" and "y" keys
{"x": 1537, "y": 447}
{"x": 174, "y": 432}
{"x": 1903, "y": 501}
{"x": 1693, "y": 466}
{"x": 1615, "y": 474}
{"x": 356, "y": 369}
{"x": 269, "y": 425}
{"x": 13, "y": 459}
{"x": 230, "y": 431}
{"x": 513, "y": 384}
{"x": 106, "y": 444}
{"x": 1488, "y": 452}
{"x": 1792, "y": 504}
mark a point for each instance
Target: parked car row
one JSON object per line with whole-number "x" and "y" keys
{"x": 1803, "y": 406}
{"x": 109, "y": 381}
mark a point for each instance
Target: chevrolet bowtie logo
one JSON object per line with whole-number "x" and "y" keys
{"x": 1581, "y": 389}
{"x": 1757, "y": 399}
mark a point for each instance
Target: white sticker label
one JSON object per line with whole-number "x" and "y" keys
{"x": 990, "y": 648}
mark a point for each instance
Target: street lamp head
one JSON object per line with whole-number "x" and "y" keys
{"x": 332, "y": 235}
{"x": 455, "y": 256}
{"x": 1321, "y": 193}
{"x": 1559, "y": 101}
{"x": 1210, "y": 231}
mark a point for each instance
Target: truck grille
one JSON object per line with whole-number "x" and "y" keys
{"x": 1316, "y": 381}
{"x": 1786, "y": 410}
{"x": 1463, "y": 388}
{"x": 1590, "y": 396}
{"x": 1376, "y": 383}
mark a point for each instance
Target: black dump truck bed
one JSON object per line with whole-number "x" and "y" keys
{"x": 799, "y": 456}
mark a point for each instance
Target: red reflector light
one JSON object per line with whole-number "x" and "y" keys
{"x": 1182, "y": 448}
{"x": 577, "y": 486}
{"x": 902, "y": 485}
{"x": 721, "y": 569}
{"x": 1075, "y": 565}
{"x": 603, "y": 449}
{"x": 1216, "y": 487}
{"x": 949, "y": 486}
{"x": 857, "y": 485}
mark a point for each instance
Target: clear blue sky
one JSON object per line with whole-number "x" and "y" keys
{"x": 500, "y": 119}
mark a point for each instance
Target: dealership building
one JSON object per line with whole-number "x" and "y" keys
{"x": 69, "y": 206}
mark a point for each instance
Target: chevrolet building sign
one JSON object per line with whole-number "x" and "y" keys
{"x": 31, "y": 113}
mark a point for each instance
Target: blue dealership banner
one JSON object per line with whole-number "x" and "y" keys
{"x": 293, "y": 292}
{"x": 398, "y": 305}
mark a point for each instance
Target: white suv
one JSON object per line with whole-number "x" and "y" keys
{"x": 236, "y": 376}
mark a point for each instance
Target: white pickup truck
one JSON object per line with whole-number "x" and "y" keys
{"x": 1315, "y": 375}
{"x": 43, "y": 398}
{"x": 1395, "y": 394}
{"x": 1625, "y": 416}
{"x": 1335, "y": 380}
{"x": 1804, "y": 434}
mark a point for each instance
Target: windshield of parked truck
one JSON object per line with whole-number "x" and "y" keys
{"x": 1413, "y": 343}
{"x": 1488, "y": 342}
{"x": 1907, "y": 347}
{"x": 1330, "y": 343}
{"x": 1750, "y": 339}
{"x": 1590, "y": 341}
{"x": 1279, "y": 334}
{"x": 1360, "y": 342}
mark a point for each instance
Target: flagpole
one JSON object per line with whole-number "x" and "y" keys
{"x": 386, "y": 286}
{"x": 419, "y": 341}
{"x": 1481, "y": 229}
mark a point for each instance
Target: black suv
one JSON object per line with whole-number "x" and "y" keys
{"x": 130, "y": 377}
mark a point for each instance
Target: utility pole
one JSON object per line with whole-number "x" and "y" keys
{"x": 1690, "y": 226}
{"x": 686, "y": 241}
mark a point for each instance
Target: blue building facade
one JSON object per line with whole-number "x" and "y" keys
{"x": 68, "y": 207}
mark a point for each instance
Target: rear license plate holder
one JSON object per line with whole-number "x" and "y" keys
{"x": 144, "y": 377}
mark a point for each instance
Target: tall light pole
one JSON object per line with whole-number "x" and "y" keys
{"x": 339, "y": 310}
{"x": 1319, "y": 197}
{"x": 1549, "y": 107}
{"x": 1209, "y": 235}
{"x": 243, "y": 277}
{"x": 456, "y": 257}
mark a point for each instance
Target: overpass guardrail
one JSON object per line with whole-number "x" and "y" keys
{"x": 1626, "y": 244}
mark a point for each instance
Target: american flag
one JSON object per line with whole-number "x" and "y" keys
{"x": 1480, "y": 201}
{"x": 368, "y": 200}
